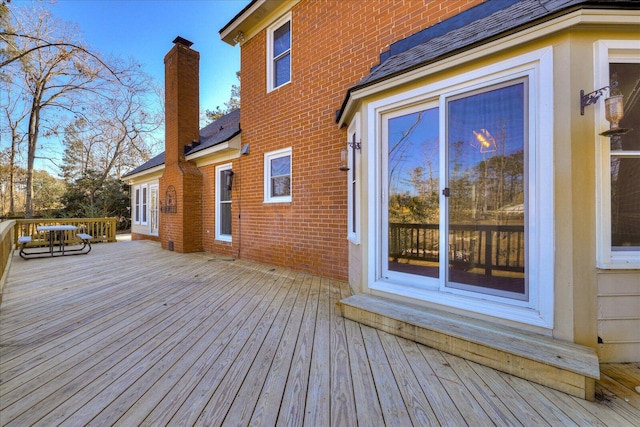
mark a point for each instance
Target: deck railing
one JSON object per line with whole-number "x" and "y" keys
{"x": 101, "y": 229}
{"x": 489, "y": 247}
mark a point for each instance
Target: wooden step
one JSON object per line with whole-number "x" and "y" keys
{"x": 557, "y": 364}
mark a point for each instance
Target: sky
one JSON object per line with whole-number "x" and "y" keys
{"x": 145, "y": 30}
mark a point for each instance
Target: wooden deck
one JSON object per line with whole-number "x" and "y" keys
{"x": 133, "y": 335}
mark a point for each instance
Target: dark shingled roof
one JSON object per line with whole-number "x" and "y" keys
{"x": 217, "y": 132}
{"x": 478, "y": 25}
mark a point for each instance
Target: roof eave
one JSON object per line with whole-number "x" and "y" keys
{"x": 228, "y": 146}
{"x": 562, "y": 19}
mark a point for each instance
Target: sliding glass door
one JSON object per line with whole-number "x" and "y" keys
{"x": 485, "y": 189}
{"x": 454, "y": 180}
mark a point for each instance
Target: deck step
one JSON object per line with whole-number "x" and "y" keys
{"x": 557, "y": 364}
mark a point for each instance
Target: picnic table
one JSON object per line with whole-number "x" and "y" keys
{"x": 56, "y": 233}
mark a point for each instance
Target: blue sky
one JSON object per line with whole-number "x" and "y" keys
{"x": 145, "y": 29}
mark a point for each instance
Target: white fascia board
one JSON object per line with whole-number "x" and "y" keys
{"x": 224, "y": 151}
{"x": 252, "y": 21}
{"x": 587, "y": 16}
{"x": 230, "y": 32}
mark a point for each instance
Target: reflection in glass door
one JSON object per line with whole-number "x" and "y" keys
{"x": 413, "y": 210}
{"x": 486, "y": 204}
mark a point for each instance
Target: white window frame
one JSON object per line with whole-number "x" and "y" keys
{"x": 268, "y": 157}
{"x": 605, "y": 52}
{"x": 136, "y": 204}
{"x": 271, "y": 70}
{"x": 144, "y": 204}
{"x": 353, "y": 180}
{"x": 219, "y": 184}
{"x": 537, "y": 66}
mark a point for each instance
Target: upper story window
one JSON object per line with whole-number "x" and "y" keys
{"x": 618, "y": 176}
{"x": 279, "y": 53}
{"x": 277, "y": 176}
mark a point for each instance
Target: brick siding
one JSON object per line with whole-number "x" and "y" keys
{"x": 334, "y": 44}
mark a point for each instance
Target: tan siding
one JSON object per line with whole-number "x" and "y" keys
{"x": 619, "y": 316}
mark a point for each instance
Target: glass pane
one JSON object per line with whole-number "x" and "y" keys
{"x": 225, "y": 218}
{"x": 144, "y": 204}
{"x": 281, "y": 40}
{"x": 413, "y": 193}
{"x": 628, "y": 84}
{"x": 486, "y": 145}
{"x": 283, "y": 70}
{"x": 625, "y": 203}
{"x": 625, "y": 171}
{"x": 225, "y": 191}
{"x": 280, "y": 186}
{"x": 281, "y": 166}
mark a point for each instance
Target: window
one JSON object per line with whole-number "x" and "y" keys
{"x": 144, "y": 205}
{"x": 136, "y": 205}
{"x": 223, "y": 202}
{"x": 277, "y": 176}
{"x": 279, "y": 53}
{"x": 140, "y": 198}
{"x": 461, "y": 206}
{"x": 353, "y": 141}
{"x": 618, "y": 174}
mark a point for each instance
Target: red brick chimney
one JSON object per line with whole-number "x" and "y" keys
{"x": 181, "y": 182}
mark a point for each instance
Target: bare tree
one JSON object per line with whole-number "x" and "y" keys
{"x": 14, "y": 113}
{"x": 62, "y": 81}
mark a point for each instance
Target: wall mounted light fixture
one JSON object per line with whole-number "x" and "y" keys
{"x": 228, "y": 179}
{"x": 344, "y": 154}
{"x": 344, "y": 160}
{"x": 590, "y": 98}
{"x": 614, "y": 108}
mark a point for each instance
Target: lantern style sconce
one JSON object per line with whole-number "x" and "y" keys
{"x": 344, "y": 154}
{"x": 614, "y": 108}
{"x": 344, "y": 160}
{"x": 228, "y": 179}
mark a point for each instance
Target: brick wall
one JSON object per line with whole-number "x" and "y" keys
{"x": 334, "y": 44}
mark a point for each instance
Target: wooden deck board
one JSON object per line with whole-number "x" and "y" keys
{"x": 198, "y": 339}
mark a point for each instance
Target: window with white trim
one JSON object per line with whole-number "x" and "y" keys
{"x": 279, "y": 53}
{"x": 140, "y": 201}
{"x": 223, "y": 202}
{"x": 136, "y": 205}
{"x": 277, "y": 176}
{"x": 618, "y": 158}
{"x": 353, "y": 160}
{"x": 144, "y": 205}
